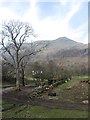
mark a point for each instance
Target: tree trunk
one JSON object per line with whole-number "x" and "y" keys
{"x": 23, "y": 82}
{"x": 17, "y": 73}
{"x": 17, "y": 79}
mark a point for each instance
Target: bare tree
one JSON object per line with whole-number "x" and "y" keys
{"x": 14, "y": 34}
{"x": 22, "y": 68}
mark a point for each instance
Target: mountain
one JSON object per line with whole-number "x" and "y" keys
{"x": 65, "y": 52}
{"x": 59, "y": 48}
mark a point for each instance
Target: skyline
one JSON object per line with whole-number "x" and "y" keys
{"x": 50, "y": 20}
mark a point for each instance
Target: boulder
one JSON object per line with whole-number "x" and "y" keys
{"x": 51, "y": 94}
{"x": 85, "y": 101}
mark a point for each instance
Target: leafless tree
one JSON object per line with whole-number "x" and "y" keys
{"x": 14, "y": 34}
{"x": 22, "y": 69}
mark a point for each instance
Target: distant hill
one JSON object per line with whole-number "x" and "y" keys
{"x": 59, "y": 48}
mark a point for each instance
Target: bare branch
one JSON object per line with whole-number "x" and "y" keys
{"x": 7, "y": 50}
{"x": 32, "y": 53}
{"x": 9, "y": 63}
{"x": 16, "y": 33}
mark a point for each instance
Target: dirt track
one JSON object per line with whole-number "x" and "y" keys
{"x": 23, "y": 97}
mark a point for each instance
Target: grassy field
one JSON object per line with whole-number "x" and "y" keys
{"x": 0, "y": 107}
{"x": 73, "y": 82}
{"x": 72, "y": 91}
{"x": 27, "y": 111}
{"x": 28, "y": 81}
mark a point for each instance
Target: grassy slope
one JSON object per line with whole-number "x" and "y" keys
{"x": 27, "y": 111}
{"x": 77, "y": 93}
{"x": 72, "y": 82}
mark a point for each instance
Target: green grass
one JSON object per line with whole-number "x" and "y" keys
{"x": 77, "y": 93}
{"x": 74, "y": 94}
{"x": 72, "y": 82}
{"x": 0, "y": 107}
{"x": 27, "y": 111}
{"x": 6, "y": 104}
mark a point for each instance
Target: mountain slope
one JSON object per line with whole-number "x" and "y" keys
{"x": 61, "y": 47}
{"x": 56, "y": 49}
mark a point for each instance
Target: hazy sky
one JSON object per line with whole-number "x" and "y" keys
{"x": 50, "y": 18}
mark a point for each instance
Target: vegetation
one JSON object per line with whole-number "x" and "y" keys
{"x": 50, "y": 72}
{"x": 15, "y": 34}
{"x": 72, "y": 91}
{"x": 57, "y": 80}
{"x": 27, "y": 111}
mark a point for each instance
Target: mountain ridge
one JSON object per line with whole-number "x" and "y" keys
{"x": 61, "y": 47}
{"x": 61, "y": 52}
{"x": 57, "y": 48}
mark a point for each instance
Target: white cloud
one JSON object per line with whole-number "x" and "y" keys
{"x": 50, "y": 27}
{"x": 73, "y": 1}
{"x": 74, "y": 9}
{"x": 32, "y": 13}
{"x": 6, "y": 14}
